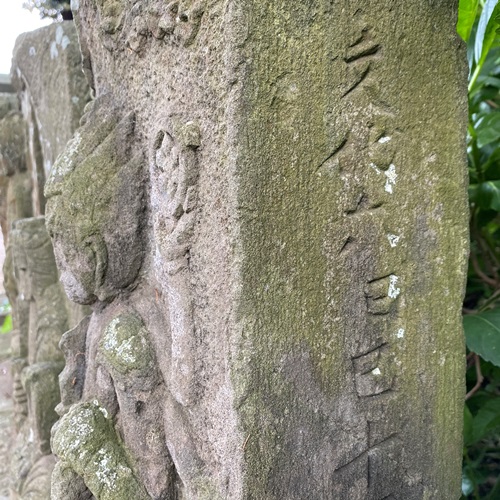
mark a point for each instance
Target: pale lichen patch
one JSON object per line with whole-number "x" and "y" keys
{"x": 391, "y": 175}
{"x": 393, "y": 292}
{"x": 104, "y": 471}
{"x": 393, "y": 239}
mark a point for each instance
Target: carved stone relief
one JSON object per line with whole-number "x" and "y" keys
{"x": 96, "y": 262}
{"x": 112, "y": 367}
{"x": 40, "y": 321}
{"x": 50, "y": 96}
{"x": 242, "y": 254}
{"x": 174, "y": 203}
{"x": 111, "y": 372}
{"x": 175, "y": 22}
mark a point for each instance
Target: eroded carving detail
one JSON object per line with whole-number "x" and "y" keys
{"x": 381, "y": 293}
{"x": 112, "y": 381}
{"x": 374, "y": 372}
{"x": 176, "y": 22}
{"x": 71, "y": 379}
{"x": 97, "y": 263}
{"x": 95, "y": 260}
{"x": 177, "y": 165}
{"x": 364, "y": 165}
{"x": 86, "y": 441}
{"x": 358, "y": 58}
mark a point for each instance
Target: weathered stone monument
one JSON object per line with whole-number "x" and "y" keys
{"x": 35, "y": 126}
{"x": 264, "y": 206}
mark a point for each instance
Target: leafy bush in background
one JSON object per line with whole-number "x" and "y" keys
{"x": 7, "y": 325}
{"x": 478, "y": 25}
{"x": 5, "y": 316}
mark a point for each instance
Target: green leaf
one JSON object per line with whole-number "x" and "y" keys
{"x": 488, "y": 129}
{"x": 489, "y": 81}
{"x": 491, "y": 167}
{"x": 473, "y": 193}
{"x": 487, "y": 195}
{"x": 486, "y": 30}
{"x": 494, "y": 494}
{"x": 468, "y": 426}
{"x": 482, "y": 334}
{"x": 487, "y": 420}
{"x": 467, "y": 10}
{"x": 485, "y": 217}
{"x": 7, "y": 324}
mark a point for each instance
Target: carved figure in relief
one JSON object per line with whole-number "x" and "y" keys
{"x": 177, "y": 167}
{"x": 15, "y": 189}
{"x": 87, "y": 203}
{"x": 176, "y": 22}
{"x": 89, "y": 448}
{"x": 41, "y": 321}
{"x": 112, "y": 386}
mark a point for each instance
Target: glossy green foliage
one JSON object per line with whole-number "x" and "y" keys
{"x": 482, "y": 333}
{"x": 478, "y": 25}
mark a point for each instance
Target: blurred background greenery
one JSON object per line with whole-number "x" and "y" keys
{"x": 479, "y": 26}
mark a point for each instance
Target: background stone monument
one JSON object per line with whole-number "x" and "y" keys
{"x": 35, "y": 126}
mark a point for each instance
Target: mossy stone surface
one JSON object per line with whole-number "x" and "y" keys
{"x": 125, "y": 346}
{"x": 86, "y": 439}
{"x": 353, "y": 223}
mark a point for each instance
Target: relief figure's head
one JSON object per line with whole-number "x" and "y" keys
{"x": 95, "y": 205}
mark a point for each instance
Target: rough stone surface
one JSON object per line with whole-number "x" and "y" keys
{"x": 40, "y": 319}
{"x": 46, "y": 73}
{"x": 352, "y": 177}
{"x": 265, "y": 206}
{"x": 35, "y": 125}
{"x": 6, "y": 414}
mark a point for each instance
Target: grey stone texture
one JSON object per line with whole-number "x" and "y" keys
{"x": 265, "y": 206}
{"x": 6, "y": 414}
{"x": 46, "y": 72}
{"x": 35, "y": 125}
{"x": 40, "y": 318}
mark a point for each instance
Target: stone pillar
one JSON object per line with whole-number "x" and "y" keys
{"x": 266, "y": 208}
{"x": 46, "y": 72}
{"x": 41, "y": 319}
{"x": 52, "y": 92}
{"x": 351, "y": 182}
